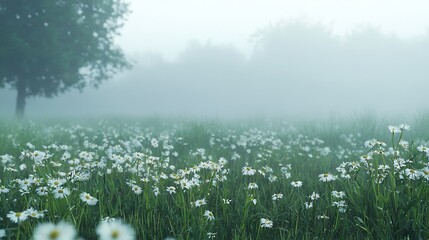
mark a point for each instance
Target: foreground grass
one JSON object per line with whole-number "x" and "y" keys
{"x": 198, "y": 180}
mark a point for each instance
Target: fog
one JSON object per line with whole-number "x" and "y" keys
{"x": 295, "y": 68}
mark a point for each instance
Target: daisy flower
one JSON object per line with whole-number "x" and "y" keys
{"x": 399, "y": 163}
{"x": 211, "y": 235}
{"x": 42, "y": 191}
{"x": 248, "y": 171}
{"x": 314, "y": 196}
{"x": 337, "y": 194}
{"x": 341, "y": 205}
{"x": 209, "y": 215}
{"x": 365, "y": 158}
{"x": 115, "y": 230}
{"x": 200, "y": 202}
{"x": 137, "y": 189}
{"x": 404, "y": 126}
{"x": 422, "y": 148}
{"x": 57, "y": 182}
{"x": 308, "y": 205}
{"x": 252, "y": 186}
{"x": 394, "y": 129}
{"x": 154, "y": 142}
{"x": 3, "y": 189}
{"x": 88, "y": 199}
{"x": 171, "y": 190}
{"x": 412, "y": 173}
{"x": 60, "y": 231}
{"x": 404, "y": 144}
{"x": 277, "y": 196}
{"x": 425, "y": 173}
{"x": 327, "y": 177}
{"x": 266, "y": 223}
{"x": 185, "y": 184}
{"x": 17, "y": 217}
{"x": 296, "y": 184}
{"x": 25, "y": 184}
{"x": 60, "y": 192}
{"x": 31, "y": 212}
{"x": 272, "y": 178}
{"x": 2, "y": 233}
{"x": 38, "y": 157}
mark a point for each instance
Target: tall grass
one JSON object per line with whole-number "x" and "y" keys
{"x": 375, "y": 192}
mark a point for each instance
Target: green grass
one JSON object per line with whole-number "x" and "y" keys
{"x": 378, "y": 204}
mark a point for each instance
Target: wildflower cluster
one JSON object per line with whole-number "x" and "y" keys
{"x": 197, "y": 182}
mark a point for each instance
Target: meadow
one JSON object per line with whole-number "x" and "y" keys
{"x": 170, "y": 179}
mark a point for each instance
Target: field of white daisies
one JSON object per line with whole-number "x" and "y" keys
{"x": 154, "y": 179}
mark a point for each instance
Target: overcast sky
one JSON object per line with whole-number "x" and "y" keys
{"x": 197, "y": 58}
{"x": 167, "y": 26}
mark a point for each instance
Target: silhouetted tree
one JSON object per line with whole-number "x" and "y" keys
{"x": 50, "y": 46}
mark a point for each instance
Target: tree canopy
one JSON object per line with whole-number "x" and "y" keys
{"x": 48, "y": 47}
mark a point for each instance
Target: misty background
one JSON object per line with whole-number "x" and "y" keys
{"x": 289, "y": 68}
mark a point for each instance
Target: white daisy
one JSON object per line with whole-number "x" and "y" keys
{"x": 211, "y": 235}
{"x": 171, "y": 190}
{"x": 314, "y": 196}
{"x": 248, "y": 171}
{"x": 38, "y": 157}
{"x": 115, "y": 230}
{"x": 3, "y": 189}
{"x": 136, "y": 189}
{"x": 425, "y": 173}
{"x": 56, "y": 182}
{"x": 42, "y": 191}
{"x": 31, "y": 212}
{"x": 209, "y": 215}
{"x": 277, "y": 196}
{"x": 422, "y": 148}
{"x": 394, "y": 129}
{"x": 60, "y": 192}
{"x": 60, "y": 231}
{"x": 308, "y": 205}
{"x": 404, "y": 127}
{"x": 200, "y": 202}
{"x": 252, "y": 186}
{"x": 17, "y": 217}
{"x": 296, "y": 184}
{"x": 88, "y": 199}
{"x": 337, "y": 194}
{"x": 412, "y": 173}
{"x": 327, "y": 177}
{"x": 266, "y": 223}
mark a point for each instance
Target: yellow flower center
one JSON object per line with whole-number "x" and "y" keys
{"x": 54, "y": 234}
{"x": 115, "y": 234}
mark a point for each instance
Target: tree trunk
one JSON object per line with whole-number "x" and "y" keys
{"x": 20, "y": 99}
